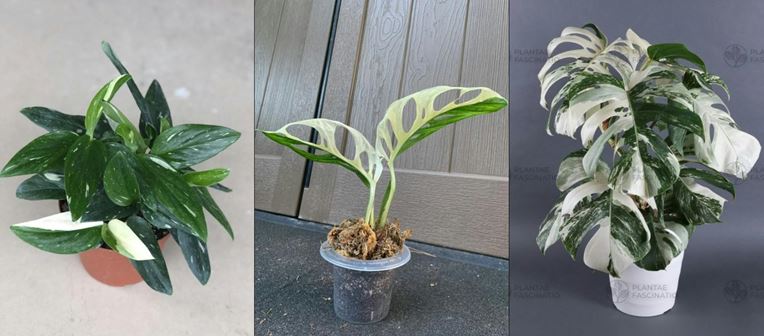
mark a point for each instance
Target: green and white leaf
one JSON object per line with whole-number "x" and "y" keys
{"x": 154, "y": 271}
{"x": 206, "y": 178}
{"x": 186, "y": 145}
{"x": 123, "y": 240}
{"x": 42, "y": 187}
{"x": 125, "y": 129}
{"x": 698, "y": 204}
{"x": 106, "y": 93}
{"x": 43, "y": 154}
{"x": 59, "y": 234}
{"x": 212, "y": 207}
{"x": 55, "y": 121}
{"x": 195, "y": 252}
{"x": 119, "y": 180}
{"x": 83, "y": 173}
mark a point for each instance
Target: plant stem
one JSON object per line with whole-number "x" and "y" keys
{"x": 370, "y": 208}
{"x": 388, "y": 199}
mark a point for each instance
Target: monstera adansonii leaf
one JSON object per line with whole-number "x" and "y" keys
{"x": 327, "y": 150}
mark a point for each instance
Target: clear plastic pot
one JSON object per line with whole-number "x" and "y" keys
{"x": 363, "y": 288}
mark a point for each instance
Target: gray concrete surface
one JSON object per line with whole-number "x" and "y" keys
{"x": 434, "y": 294}
{"x": 202, "y": 54}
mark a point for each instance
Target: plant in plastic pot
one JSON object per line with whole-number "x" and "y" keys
{"x": 365, "y": 251}
{"x": 671, "y": 138}
{"x": 122, "y": 190}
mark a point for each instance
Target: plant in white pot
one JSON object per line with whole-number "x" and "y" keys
{"x": 669, "y": 132}
{"x": 365, "y": 251}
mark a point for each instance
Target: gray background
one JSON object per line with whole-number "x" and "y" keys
{"x": 553, "y": 293}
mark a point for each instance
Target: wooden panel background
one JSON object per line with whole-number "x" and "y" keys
{"x": 453, "y": 186}
{"x": 289, "y": 81}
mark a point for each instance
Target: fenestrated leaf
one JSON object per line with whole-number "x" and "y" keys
{"x": 206, "y": 178}
{"x": 119, "y": 181}
{"x": 195, "y": 253}
{"x": 186, "y": 145}
{"x": 101, "y": 208}
{"x": 328, "y": 151}
{"x": 572, "y": 171}
{"x": 124, "y": 241}
{"x": 154, "y": 272}
{"x": 711, "y": 176}
{"x": 55, "y": 121}
{"x": 157, "y": 103}
{"x": 674, "y": 52}
{"x": 149, "y": 121}
{"x": 42, "y": 187}
{"x": 698, "y": 204}
{"x": 58, "y": 234}
{"x": 83, "y": 174}
{"x": 106, "y": 93}
{"x": 43, "y": 154}
{"x": 209, "y": 203}
{"x": 167, "y": 201}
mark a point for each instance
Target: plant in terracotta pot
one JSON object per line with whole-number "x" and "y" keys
{"x": 671, "y": 137}
{"x": 365, "y": 251}
{"x": 123, "y": 190}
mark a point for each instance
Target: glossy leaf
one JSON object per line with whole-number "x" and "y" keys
{"x": 124, "y": 241}
{"x": 195, "y": 252}
{"x": 48, "y": 186}
{"x": 119, "y": 181}
{"x": 101, "y": 208}
{"x": 43, "y": 154}
{"x": 55, "y": 121}
{"x": 206, "y": 178}
{"x": 154, "y": 272}
{"x": 209, "y": 203}
{"x": 186, "y": 145}
{"x": 106, "y": 93}
{"x": 58, "y": 234}
{"x": 149, "y": 122}
{"x": 167, "y": 201}
{"x": 674, "y": 52}
{"x": 83, "y": 175}
{"x": 157, "y": 104}
{"x": 125, "y": 129}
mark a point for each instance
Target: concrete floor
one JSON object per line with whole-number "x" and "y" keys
{"x": 434, "y": 294}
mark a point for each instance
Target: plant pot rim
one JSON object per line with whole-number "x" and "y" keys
{"x": 377, "y": 265}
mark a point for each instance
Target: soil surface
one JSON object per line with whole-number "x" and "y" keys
{"x": 354, "y": 238}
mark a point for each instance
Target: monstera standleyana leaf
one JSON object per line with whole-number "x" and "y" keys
{"x": 121, "y": 238}
{"x": 623, "y": 236}
{"x": 328, "y": 151}
{"x": 393, "y": 139}
{"x": 59, "y": 234}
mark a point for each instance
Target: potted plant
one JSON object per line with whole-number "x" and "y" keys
{"x": 668, "y": 130}
{"x": 122, "y": 189}
{"x": 365, "y": 251}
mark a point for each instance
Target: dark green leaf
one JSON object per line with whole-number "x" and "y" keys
{"x": 94, "y": 113}
{"x": 43, "y": 154}
{"x": 101, "y": 208}
{"x": 38, "y": 187}
{"x": 673, "y": 52}
{"x": 54, "y": 121}
{"x": 85, "y": 164}
{"x": 187, "y": 145}
{"x": 195, "y": 252}
{"x": 673, "y": 115}
{"x": 119, "y": 181}
{"x": 218, "y": 186}
{"x": 61, "y": 242}
{"x": 711, "y": 176}
{"x": 149, "y": 122}
{"x": 157, "y": 103}
{"x": 206, "y": 178}
{"x": 209, "y": 203}
{"x": 167, "y": 201}
{"x": 154, "y": 272}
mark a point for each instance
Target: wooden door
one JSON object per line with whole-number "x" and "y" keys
{"x": 453, "y": 187}
{"x": 290, "y": 44}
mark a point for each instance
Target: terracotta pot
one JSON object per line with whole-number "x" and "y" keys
{"x": 110, "y": 267}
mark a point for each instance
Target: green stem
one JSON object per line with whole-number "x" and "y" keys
{"x": 388, "y": 199}
{"x": 370, "y": 208}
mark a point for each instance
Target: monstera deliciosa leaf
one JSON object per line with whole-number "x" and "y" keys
{"x": 392, "y": 138}
{"x": 655, "y": 108}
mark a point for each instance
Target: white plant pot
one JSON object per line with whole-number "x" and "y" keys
{"x": 643, "y": 293}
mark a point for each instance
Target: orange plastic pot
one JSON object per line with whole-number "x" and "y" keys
{"x": 112, "y": 268}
